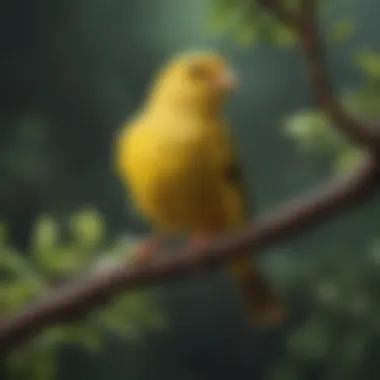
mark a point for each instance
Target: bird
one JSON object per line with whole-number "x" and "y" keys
{"x": 177, "y": 159}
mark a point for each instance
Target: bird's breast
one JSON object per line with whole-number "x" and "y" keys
{"x": 173, "y": 179}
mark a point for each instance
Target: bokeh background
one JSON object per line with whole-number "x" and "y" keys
{"x": 71, "y": 72}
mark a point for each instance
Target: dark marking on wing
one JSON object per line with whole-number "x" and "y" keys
{"x": 234, "y": 175}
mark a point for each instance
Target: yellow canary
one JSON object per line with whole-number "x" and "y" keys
{"x": 177, "y": 159}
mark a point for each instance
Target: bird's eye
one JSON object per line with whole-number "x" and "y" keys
{"x": 197, "y": 71}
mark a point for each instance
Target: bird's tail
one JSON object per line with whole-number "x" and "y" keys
{"x": 261, "y": 302}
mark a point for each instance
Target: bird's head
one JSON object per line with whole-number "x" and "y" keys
{"x": 194, "y": 80}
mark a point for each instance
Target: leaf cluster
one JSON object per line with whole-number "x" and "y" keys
{"x": 52, "y": 261}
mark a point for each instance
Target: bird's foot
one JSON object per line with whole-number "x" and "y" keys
{"x": 145, "y": 251}
{"x": 200, "y": 241}
{"x": 197, "y": 243}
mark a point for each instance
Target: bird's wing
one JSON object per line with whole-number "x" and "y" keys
{"x": 257, "y": 293}
{"x": 234, "y": 176}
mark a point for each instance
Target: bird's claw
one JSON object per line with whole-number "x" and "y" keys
{"x": 145, "y": 251}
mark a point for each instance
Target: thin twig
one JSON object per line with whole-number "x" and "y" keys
{"x": 322, "y": 89}
{"x": 304, "y": 24}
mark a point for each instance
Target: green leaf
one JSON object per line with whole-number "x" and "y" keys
{"x": 312, "y": 130}
{"x": 87, "y": 227}
{"x": 369, "y": 61}
{"x": 351, "y": 355}
{"x": 88, "y": 231}
{"x": 19, "y": 268}
{"x": 285, "y": 35}
{"x": 285, "y": 371}
{"x": 64, "y": 260}
{"x": 83, "y": 334}
{"x": 266, "y": 27}
{"x": 373, "y": 253}
{"x": 359, "y": 305}
{"x": 347, "y": 159}
{"x": 341, "y": 30}
{"x": 130, "y": 315}
{"x": 245, "y": 34}
{"x": 311, "y": 341}
{"x": 32, "y": 362}
{"x": 45, "y": 234}
{"x": 221, "y": 13}
{"x": 327, "y": 292}
{"x": 364, "y": 103}
{"x": 17, "y": 292}
{"x": 249, "y": 23}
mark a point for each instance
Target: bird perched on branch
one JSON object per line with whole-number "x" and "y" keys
{"x": 178, "y": 161}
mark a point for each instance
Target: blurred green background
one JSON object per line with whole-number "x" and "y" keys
{"x": 71, "y": 72}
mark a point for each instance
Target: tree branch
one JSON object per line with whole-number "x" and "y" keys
{"x": 72, "y": 300}
{"x": 305, "y": 25}
{"x": 322, "y": 89}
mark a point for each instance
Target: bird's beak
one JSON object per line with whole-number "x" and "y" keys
{"x": 226, "y": 81}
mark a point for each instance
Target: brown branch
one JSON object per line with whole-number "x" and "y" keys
{"x": 74, "y": 299}
{"x": 323, "y": 92}
{"x": 305, "y": 25}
